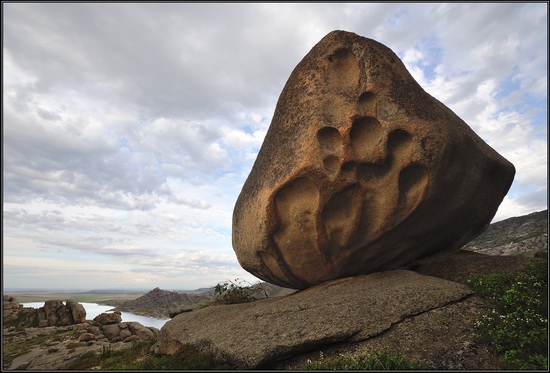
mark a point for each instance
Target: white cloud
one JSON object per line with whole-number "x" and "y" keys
{"x": 129, "y": 128}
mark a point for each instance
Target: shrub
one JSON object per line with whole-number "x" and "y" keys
{"x": 379, "y": 360}
{"x": 106, "y": 352}
{"x": 231, "y": 292}
{"x": 515, "y": 321}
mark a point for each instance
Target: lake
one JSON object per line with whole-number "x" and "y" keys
{"x": 94, "y": 309}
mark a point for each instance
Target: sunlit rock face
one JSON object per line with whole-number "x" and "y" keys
{"x": 361, "y": 170}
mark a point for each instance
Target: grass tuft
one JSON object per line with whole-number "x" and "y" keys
{"x": 379, "y": 360}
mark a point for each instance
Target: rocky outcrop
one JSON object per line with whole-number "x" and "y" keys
{"x": 55, "y": 313}
{"x": 68, "y": 343}
{"x": 10, "y": 303}
{"x": 361, "y": 171}
{"x": 251, "y": 335}
{"x": 11, "y": 309}
{"x": 116, "y": 331}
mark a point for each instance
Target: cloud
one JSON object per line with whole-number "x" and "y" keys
{"x": 130, "y": 128}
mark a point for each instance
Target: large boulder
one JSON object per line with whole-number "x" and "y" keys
{"x": 351, "y": 310}
{"x": 55, "y": 313}
{"x": 77, "y": 310}
{"x": 361, "y": 170}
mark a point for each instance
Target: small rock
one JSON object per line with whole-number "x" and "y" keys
{"x": 94, "y": 330}
{"x": 111, "y": 331}
{"x": 87, "y": 337}
{"x": 175, "y": 313}
{"x": 109, "y": 318}
{"x": 131, "y": 338}
{"x": 124, "y": 333}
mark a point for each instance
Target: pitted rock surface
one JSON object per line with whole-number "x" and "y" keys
{"x": 361, "y": 170}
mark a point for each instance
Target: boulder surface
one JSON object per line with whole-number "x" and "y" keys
{"x": 360, "y": 171}
{"x": 251, "y": 335}
{"x": 55, "y": 313}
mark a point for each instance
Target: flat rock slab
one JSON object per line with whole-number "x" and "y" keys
{"x": 440, "y": 339}
{"x": 250, "y": 335}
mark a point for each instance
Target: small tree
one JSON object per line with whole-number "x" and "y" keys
{"x": 231, "y": 292}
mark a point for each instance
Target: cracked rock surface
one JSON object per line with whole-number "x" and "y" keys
{"x": 253, "y": 335}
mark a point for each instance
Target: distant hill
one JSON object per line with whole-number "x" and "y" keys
{"x": 159, "y": 303}
{"x": 523, "y": 235}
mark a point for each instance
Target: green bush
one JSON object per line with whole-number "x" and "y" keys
{"x": 231, "y": 292}
{"x": 379, "y": 360}
{"x": 515, "y": 321}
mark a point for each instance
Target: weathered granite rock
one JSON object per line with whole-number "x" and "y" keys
{"x": 55, "y": 313}
{"x": 10, "y": 302}
{"x": 106, "y": 318}
{"x": 78, "y": 313}
{"x": 47, "y": 314}
{"x": 251, "y": 335}
{"x": 115, "y": 330}
{"x": 361, "y": 170}
{"x": 11, "y": 309}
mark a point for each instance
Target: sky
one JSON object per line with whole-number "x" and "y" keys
{"x": 130, "y": 128}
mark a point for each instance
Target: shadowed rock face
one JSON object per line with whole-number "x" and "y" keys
{"x": 361, "y": 170}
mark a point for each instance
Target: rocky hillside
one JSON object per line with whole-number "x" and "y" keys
{"x": 523, "y": 235}
{"x": 161, "y": 303}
